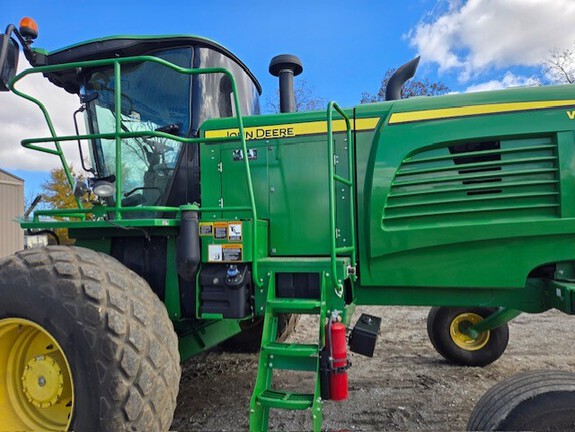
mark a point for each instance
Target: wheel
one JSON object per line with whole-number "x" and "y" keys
{"x": 445, "y": 325}
{"x": 84, "y": 345}
{"x": 249, "y": 340}
{"x": 531, "y": 401}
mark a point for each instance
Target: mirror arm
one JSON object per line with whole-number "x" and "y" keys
{"x": 25, "y": 43}
{"x": 80, "y": 110}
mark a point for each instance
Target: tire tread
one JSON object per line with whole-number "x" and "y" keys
{"x": 121, "y": 319}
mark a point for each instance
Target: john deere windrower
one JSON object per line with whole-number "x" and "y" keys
{"x": 203, "y": 221}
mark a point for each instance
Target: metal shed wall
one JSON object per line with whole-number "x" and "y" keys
{"x": 11, "y": 207}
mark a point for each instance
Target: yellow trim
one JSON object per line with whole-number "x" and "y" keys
{"x": 446, "y": 113}
{"x": 463, "y": 340}
{"x": 36, "y": 386}
{"x": 290, "y": 130}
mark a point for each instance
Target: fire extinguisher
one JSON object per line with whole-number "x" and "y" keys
{"x": 335, "y": 363}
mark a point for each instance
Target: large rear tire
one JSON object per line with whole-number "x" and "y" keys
{"x": 445, "y": 329}
{"x": 531, "y": 401}
{"x": 84, "y": 345}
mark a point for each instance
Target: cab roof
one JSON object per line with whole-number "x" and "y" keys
{"x": 126, "y": 46}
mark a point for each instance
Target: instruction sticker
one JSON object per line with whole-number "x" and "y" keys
{"x": 220, "y": 230}
{"x": 206, "y": 228}
{"x": 215, "y": 253}
{"x": 232, "y": 253}
{"x": 235, "y": 231}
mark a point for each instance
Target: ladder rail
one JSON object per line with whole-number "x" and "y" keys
{"x": 306, "y": 359}
{"x": 349, "y": 182}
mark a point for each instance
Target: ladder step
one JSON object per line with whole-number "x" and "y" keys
{"x": 284, "y": 400}
{"x": 291, "y": 349}
{"x": 291, "y": 305}
{"x": 298, "y": 357}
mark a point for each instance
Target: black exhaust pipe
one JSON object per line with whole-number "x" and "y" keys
{"x": 399, "y": 78}
{"x": 286, "y": 66}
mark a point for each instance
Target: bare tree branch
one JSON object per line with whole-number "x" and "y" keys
{"x": 413, "y": 87}
{"x": 305, "y": 100}
{"x": 559, "y": 67}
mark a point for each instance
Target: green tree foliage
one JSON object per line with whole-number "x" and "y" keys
{"x": 413, "y": 87}
{"x": 56, "y": 190}
{"x": 58, "y": 195}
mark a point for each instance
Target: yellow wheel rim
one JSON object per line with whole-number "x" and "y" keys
{"x": 461, "y": 339}
{"x": 36, "y": 387}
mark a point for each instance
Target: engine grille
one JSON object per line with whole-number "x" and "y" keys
{"x": 476, "y": 181}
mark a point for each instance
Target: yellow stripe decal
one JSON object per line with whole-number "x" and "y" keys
{"x": 446, "y": 113}
{"x": 292, "y": 129}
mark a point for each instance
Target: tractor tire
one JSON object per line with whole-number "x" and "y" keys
{"x": 84, "y": 345}
{"x": 531, "y": 401}
{"x": 443, "y": 328}
{"x": 250, "y": 339}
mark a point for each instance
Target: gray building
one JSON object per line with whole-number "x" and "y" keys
{"x": 11, "y": 207}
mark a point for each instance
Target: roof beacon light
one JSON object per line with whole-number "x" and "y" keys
{"x": 28, "y": 28}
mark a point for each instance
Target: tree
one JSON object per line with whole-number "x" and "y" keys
{"x": 305, "y": 99}
{"x": 413, "y": 87}
{"x": 559, "y": 67}
{"x": 58, "y": 195}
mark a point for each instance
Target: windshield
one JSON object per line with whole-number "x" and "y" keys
{"x": 157, "y": 98}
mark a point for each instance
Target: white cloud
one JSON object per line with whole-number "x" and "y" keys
{"x": 508, "y": 80}
{"x": 474, "y": 35}
{"x": 20, "y": 119}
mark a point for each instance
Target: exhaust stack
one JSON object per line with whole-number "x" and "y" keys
{"x": 399, "y": 78}
{"x": 286, "y": 66}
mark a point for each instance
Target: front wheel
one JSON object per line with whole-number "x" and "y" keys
{"x": 84, "y": 345}
{"x": 446, "y": 330}
{"x": 532, "y": 401}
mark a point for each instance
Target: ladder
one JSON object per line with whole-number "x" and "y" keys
{"x": 288, "y": 356}
{"x": 333, "y": 270}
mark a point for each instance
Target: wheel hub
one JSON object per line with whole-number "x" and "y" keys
{"x": 459, "y": 332}
{"x": 37, "y": 391}
{"x": 42, "y": 381}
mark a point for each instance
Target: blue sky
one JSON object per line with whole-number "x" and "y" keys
{"x": 346, "y": 47}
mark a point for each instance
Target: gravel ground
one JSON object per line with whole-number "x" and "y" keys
{"x": 406, "y": 386}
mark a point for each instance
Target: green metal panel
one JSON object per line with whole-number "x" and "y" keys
{"x": 172, "y": 293}
{"x": 233, "y": 177}
{"x": 206, "y": 336}
{"x": 429, "y": 219}
{"x": 299, "y": 198}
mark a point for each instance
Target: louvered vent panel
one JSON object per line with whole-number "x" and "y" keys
{"x": 478, "y": 181}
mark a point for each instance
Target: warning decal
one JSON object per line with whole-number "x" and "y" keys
{"x": 235, "y": 231}
{"x": 220, "y": 230}
{"x": 206, "y": 228}
{"x": 231, "y": 252}
{"x": 214, "y": 253}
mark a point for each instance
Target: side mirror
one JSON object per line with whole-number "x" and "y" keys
{"x": 9, "y": 52}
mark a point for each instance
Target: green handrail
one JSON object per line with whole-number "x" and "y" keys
{"x": 333, "y": 178}
{"x": 118, "y": 135}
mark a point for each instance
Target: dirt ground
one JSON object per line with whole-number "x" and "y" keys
{"x": 406, "y": 386}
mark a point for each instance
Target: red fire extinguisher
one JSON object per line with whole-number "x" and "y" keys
{"x": 337, "y": 348}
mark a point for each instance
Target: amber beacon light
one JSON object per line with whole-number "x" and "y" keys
{"x": 28, "y": 28}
